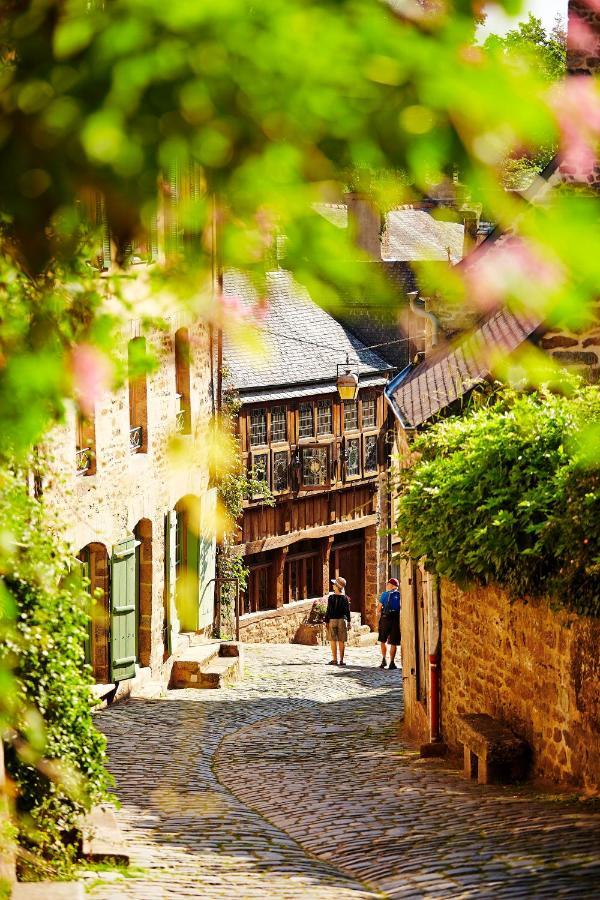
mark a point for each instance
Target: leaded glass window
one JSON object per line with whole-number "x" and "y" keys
{"x": 370, "y": 453}
{"x": 280, "y": 471}
{"x": 278, "y": 424}
{"x": 260, "y": 467}
{"x": 350, "y": 415}
{"x": 324, "y": 417}
{"x": 369, "y": 419}
{"x": 258, "y": 427}
{"x": 306, "y": 425}
{"x": 314, "y": 466}
{"x": 352, "y": 457}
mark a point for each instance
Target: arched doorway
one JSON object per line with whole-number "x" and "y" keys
{"x": 94, "y": 558}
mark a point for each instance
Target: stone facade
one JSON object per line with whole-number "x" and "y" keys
{"x": 128, "y": 494}
{"x": 275, "y": 626}
{"x": 583, "y": 45}
{"x": 532, "y": 668}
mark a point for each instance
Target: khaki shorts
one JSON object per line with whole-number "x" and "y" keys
{"x": 338, "y": 630}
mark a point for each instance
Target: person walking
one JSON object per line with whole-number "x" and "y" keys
{"x": 337, "y": 618}
{"x": 389, "y": 622}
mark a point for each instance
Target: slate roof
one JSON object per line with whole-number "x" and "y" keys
{"x": 409, "y": 235}
{"x": 301, "y": 344}
{"x": 418, "y": 393}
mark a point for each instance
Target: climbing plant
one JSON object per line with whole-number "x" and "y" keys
{"x": 509, "y": 494}
{"x": 54, "y": 754}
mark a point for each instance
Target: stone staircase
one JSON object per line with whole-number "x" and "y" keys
{"x": 210, "y": 664}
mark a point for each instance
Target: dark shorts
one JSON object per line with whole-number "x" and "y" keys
{"x": 389, "y": 629}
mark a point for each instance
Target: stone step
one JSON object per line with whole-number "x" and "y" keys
{"x": 207, "y": 666}
{"x": 220, "y": 671}
{"x": 102, "y": 839}
{"x": 48, "y": 890}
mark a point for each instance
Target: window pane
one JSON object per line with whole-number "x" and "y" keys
{"x": 306, "y": 424}
{"x": 278, "y": 424}
{"x": 353, "y": 457}
{"x": 314, "y": 466}
{"x": 260, "y": 467}
{"x": 258, "y": 427}
{"x": 371, "y": 453}
{"x": 324, "y": 417}
{"x": 350, "y": 415}
{"x": 368, "y": 413}
{"x": 280, "y": 471}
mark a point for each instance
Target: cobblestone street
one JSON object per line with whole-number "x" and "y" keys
{"x": 294, "y": 784}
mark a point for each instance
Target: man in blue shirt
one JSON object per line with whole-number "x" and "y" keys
{"x": 389, "y": 622}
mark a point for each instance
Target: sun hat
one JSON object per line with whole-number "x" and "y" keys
{"x": 393, "y": 581}
{"x": 341, "y": 582}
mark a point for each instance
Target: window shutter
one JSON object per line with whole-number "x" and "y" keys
{"x": 123, "y": 611}
{"x": 102, "y": 223}
{"x": 171, "y": 211}
{"x": 170, "y": 578}
{"x": 207, "y": 559}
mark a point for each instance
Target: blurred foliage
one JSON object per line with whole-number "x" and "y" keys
{"x": 530, "y": 45}
{"x": 54, "y": 754}
{"x": 509, "y": 494}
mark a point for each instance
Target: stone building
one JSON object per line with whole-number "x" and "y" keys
{"x": 533, "y": 668}
{"x": 325, "y": 462}
{"x": 140, "y": 524}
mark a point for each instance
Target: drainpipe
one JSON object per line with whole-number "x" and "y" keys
{"x": 434, "y": 659}
{"x": 422, "y": 313}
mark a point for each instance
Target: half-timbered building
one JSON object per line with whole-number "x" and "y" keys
{"x": 324, "y": 460}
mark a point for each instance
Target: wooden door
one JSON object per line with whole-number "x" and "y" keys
{"x": 348, "y": 561}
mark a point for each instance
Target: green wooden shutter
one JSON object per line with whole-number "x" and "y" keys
{"x": 170, "y": 579}
{"x": 123, "y": 613}
{"x": 189, "y": 604}
{"x": 207, "y": 558}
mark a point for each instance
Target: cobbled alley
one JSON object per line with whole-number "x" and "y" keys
{"x": 295, "y": 783}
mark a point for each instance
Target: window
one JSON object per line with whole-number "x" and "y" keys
{"x": 281, "y": 471}
{"x": 315, "y": 463}
{"x": 324, "y": 417}
{"x": 370, "y": 452}
{"x": 138, "y": 403}
{"x": 300, "y": 580}
{"x": 369, "y": 413}
{"x": 350, "y": 415}
{"x": 278, "y": 424}
{"x": 85, "y": 445}
{"x": 257, "y": 594}
{"x": 183, "y": 420}
{"x": 258, "y": 427}
{"x": 260, "y": 470}
{"x": 352, "y": 457}
{"x": 306, "y": 425}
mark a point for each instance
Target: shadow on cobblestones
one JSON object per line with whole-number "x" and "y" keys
{"x": 292, "y": 785}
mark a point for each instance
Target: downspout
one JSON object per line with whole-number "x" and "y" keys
{"x": 422, "y": 313}
{"x": 435, "y": 622}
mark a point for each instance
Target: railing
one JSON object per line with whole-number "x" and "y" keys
{"x": 83, "y": 460}
{"x": 135, "y": 439}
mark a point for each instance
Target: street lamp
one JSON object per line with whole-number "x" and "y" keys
{"x": 347, "y": 380}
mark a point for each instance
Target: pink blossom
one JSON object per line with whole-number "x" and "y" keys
{"x": 577, "y": 105}
{"x": 91, "y": 372}
{"x": 512, "y": 269}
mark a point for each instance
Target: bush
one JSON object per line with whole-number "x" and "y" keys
{"x": 54, "y": 753}
{"x": 510, "y": 495}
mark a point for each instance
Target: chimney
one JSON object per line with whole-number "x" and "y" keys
{"x": 365, "y": 220}
{"x": 583, "y": 38}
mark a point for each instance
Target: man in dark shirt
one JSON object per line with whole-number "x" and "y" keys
{"x": 389, "y": 622}
{"x": 337, "y": 618}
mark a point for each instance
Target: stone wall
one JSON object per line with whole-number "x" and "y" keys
{"x": 579, "y": 351}
{"x": 132, "y": 492}
{"x": 274, "y": 626}
{"x": 583, "y": 47}
{"x": 537, "y": 670}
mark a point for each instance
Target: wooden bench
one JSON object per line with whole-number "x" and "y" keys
{"x": 493, "y": 754}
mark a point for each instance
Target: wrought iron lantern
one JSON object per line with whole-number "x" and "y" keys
{"x": 347, "y": 380}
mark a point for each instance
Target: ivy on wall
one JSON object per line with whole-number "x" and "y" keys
{"x": 509, "y": 494}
